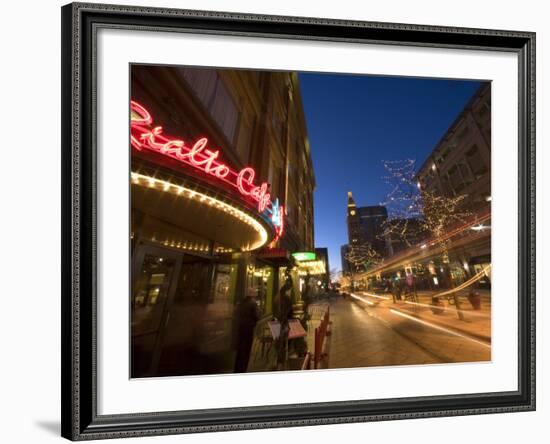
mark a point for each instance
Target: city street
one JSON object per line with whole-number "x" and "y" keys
{"x": 231, "y": 243}
{"x": 366, "y": 333}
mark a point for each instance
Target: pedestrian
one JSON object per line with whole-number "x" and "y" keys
{"x": 246, "y": 317}
{"x": 282, "y": 310}
{"x": 398, "y": 290}
{"x": 388, "y": 286}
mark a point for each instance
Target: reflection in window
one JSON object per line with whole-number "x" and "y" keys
{"x": 260, "y": 278}
{"x": 150, "y": 292}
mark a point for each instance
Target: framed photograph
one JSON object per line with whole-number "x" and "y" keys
{"x": 282, "y": 221}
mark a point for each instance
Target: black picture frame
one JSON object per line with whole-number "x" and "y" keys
{"x": 79, "y": 386}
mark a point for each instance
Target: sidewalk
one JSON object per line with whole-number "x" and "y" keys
{"x": 263, "y": 356}
{"x": 316, "y": 312}
{"x": 476, "y": 323}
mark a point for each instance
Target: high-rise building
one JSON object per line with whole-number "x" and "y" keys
{"x": 221, "y": 192}
{"x": 322, "y": 255}
{"x": 344, "y": 249}
{"x": 460, "y": 164}
{"x": 366, "y": 226}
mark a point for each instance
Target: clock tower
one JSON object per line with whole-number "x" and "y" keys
{"x": 354, "y": 223}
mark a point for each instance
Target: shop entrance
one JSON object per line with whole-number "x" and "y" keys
{"x": 181, "y": 313}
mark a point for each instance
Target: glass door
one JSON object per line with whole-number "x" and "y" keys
{"x": 197, "y": 337}
{"x": 154, "y": 272}
{"x": 181, "y": 313}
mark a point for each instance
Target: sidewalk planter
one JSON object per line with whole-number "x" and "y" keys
{"x": 475, "y": 299}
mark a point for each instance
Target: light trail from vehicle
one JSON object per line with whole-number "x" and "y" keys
{"x": 418, "y": 251}
{"x": 361, "y": 299}
{"x": 438, "y": 327}
{"x": 419, "y": 304}
{"x": 465, "y": 284}
{"x": 449, "y": 308}
{"x": 375, "y": 295}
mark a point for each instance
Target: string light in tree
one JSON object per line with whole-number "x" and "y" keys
{"x": 416, "y": 212}
{"x": 362, "y": 257}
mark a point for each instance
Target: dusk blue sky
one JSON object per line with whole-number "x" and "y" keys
{"x": 355, "y": 122}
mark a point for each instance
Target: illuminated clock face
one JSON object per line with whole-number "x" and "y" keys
{"x": 352, "y": 212}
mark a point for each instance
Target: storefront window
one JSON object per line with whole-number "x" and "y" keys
{"x": 187, "y": 301}
{"x": 219, "y": 314}
{"x": 260, "y": 278}
{"x": 150, "y": 294}
{"x": 293, "y": 273}
{"x": 182, "y": 303}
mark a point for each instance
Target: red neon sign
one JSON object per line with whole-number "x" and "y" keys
{"x": 278, "y": 219}
{"x": 146, "y": 136}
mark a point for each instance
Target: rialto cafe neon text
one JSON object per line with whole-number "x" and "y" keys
{"x": 146, "y": 136}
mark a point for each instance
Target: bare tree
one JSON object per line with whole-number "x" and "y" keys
{"x": 416, "y": 212}
{"x": 433, "y": 213}
{"x": 361, "y": 257}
